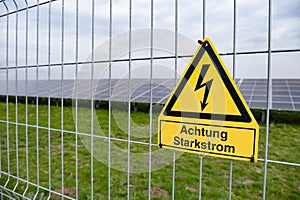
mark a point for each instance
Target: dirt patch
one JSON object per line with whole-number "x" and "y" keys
{"x": 71, "y": 192}
{"x": 244, "y": 181}
{"x": 191, "y": 188}
{"x": 158, "y": 192}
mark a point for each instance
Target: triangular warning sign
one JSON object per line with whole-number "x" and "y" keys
{"x": 207, "y": 76}
{"x": 206, "y": 112}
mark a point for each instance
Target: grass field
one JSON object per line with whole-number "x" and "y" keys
{"x": 283, "y": 182}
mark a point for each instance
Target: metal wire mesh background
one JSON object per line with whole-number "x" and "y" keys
{"x": 46, "y": 40}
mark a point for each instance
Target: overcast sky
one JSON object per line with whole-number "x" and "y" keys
{"x": 252, "y": 32}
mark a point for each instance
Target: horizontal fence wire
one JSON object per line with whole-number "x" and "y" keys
{"x": 144, "y": 59}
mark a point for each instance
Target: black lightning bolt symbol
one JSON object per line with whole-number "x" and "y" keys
{"x": 200, "y": 85}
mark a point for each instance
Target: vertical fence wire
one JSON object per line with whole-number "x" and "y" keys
{"x": 175, "y": 81}
{"x": 92, "y": 98}
{"x": 62, "y": 98}
{"x": 201, "y": 156}
{"x": 49, "y": 100}
{"x": 76, "y": 97}
{"x": 109, "y": 98}
{"x": 37, "y": 100}
{"x": 7, "y": 97}
{"x": 234, "y": 41}
{"x": 203, "y": 18}
{"x": 26, "y": 101}
{"x": 16, "y": 98}
{"x": 230, "y": 180}
{"x": 129, "y": 103}
{"x": 233, "y": 75}
{"x": 269, "y": 96}
{"x": 200, "y": 176}
{"x": 150, "y": 108}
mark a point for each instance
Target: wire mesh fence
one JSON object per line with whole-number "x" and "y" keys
{"x": 89, "y": 79}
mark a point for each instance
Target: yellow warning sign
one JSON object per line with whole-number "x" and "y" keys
{"x": 206, "y": 113}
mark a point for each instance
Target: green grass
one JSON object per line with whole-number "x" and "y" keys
{"x": 283, "y": 182}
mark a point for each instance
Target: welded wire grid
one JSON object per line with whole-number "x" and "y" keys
{"x": 30, "y": 26}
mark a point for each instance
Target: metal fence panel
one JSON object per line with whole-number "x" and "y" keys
{"x": 62, "y": 60}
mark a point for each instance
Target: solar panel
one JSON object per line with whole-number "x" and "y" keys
{"x": 285, "y": 92}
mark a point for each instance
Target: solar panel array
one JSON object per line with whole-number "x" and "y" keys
{"x": 285, "y": 92}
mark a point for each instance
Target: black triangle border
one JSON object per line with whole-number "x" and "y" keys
{"x": 244, "y": 117}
